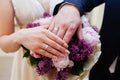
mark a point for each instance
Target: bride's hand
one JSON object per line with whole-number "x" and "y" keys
{"x": 42, "y": 41}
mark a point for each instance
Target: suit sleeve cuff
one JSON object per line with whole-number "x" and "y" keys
{"x": 59, "y": 6}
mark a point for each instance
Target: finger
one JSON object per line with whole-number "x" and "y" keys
{"x": 79, "y": 33}
{"x": 61, "y": 31}
{"x": 45, "y": 53}
{"x": 56, "y": 46}
{"x": 56, "y": 39}
{"x": 55, "y": 30}
{"x": 51, "y": 26}
{"x": 54, "y": 51}
{"x": 69, "y": 33}
{"x": 48, "y": 23}
{"x": 45, "y": 26}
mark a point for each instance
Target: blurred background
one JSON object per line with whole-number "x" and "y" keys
{"x": 6, "y": 60}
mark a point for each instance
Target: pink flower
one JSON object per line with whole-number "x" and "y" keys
{"x": 71, "y": 63}
{"x": 61, "y": 63}
{"x": 34, "y": 54}
{"x": 90, "y": 35}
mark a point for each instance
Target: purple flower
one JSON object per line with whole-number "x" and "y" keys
{"x": 79, "y": 49}
{"x": 62, "y": 75}
{"x": 46, "y": 15}
{"x": 95, "y": 28}
{"x": 31, "y": 25}
{"x": 44, "y": 66}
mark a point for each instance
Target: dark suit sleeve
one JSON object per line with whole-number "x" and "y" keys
{"x": 82, "y": 5}
{"x": 85, "y": 5}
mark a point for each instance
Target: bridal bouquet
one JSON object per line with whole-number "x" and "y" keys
{"x": 74, "y": 63}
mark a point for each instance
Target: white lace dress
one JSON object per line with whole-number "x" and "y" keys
{"x": 27, "y": 11}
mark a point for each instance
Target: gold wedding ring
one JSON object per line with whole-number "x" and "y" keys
{"x": 46, "y": 47}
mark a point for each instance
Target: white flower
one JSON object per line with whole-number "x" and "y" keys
{"x": 85, "y": 21}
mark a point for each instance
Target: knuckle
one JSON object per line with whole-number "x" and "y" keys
{"x": 48, "y": 55}
{"x": 34, "y": 48}
{"x": 42, "y": 37}
{"x": 72, "y": 28}
{"x": 62, "y": 26}
{"x": 43, "y": 31}
{"x": 56, "y": 45}
{"x": 42, "y": 51}
{"x": 49, "y": 49}
{"x": 55, "y": 40}
{"x": 60, "y": 48}
{"x": 51, "y": 42}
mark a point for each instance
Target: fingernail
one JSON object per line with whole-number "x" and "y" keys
{"x": 62, "y": 55}
{"x": 65, "y": 45}
{"x": 54, "y": 57}
{"x": 66, "y": 51}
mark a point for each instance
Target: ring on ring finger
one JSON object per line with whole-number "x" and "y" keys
{"x": 46, "y": 47}
{"x": 55, "y": 29}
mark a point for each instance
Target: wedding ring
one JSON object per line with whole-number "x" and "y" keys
{"x": 55, "y": 29}
{"x": 46, "y": 47}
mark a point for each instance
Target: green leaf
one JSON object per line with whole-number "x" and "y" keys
{"x": 24, "y": 47}
{"x": 34, "y": 61}
{"x": 26, "y": 52}
{"x": 78, "y": 67}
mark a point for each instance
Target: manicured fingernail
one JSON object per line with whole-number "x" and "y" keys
{"x": 65, "y": 45}
{"x": 66, "y": 51}
{"x": 54, "y": 57}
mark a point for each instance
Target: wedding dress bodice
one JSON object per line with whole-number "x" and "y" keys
{"x": 30, "y": 10}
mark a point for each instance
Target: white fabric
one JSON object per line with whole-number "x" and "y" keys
{"x": 27, "y": 11}
{"x": 53, "y": 4}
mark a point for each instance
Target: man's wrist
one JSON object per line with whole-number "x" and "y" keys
{"x": 68, "y": 4}
{"x": 69, "y": 7}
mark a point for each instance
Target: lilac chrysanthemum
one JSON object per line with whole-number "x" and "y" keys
{"x": 62, "y": 75}
{"x": 79, "y": 49}
{"x": 44, "y": 66}
{"x": 31, "y": 25}
{"x": 45, "y": 14}
{"x": 95, "y": 28}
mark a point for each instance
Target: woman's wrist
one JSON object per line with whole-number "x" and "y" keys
{"x": 17, "y": 37}
{"x": 9, "y": 43}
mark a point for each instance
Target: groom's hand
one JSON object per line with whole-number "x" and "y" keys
{"x": 66, "y": 22}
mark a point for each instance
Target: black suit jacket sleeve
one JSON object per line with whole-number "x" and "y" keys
{"x": 82, "y": 5}
{"x": 85, "y": 5}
